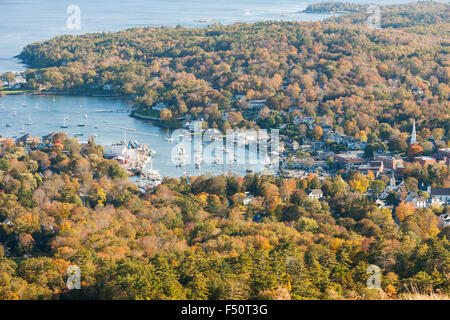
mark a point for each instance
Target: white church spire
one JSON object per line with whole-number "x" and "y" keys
{"x": 413, "y": 133}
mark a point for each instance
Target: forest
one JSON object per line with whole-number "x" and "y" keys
{"x": 362, "y": 80}
{"x": 65, "y": 205}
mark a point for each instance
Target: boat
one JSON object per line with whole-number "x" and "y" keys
{"x": 29, "y": 122}
{"x": 81, "y": 124}
{"x": 7, "y": 125}
{"x": 14, "y": 112}
{"x": 85, "y": 116}
{"x": 23, "y": 130}
{"x": 169, "y": 139}
{"x": 79, "y": 134}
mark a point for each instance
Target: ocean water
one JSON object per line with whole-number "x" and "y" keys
{"x": 26, "y": 21}
{"x": 39, "y": 115}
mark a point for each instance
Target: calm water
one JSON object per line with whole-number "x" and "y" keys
{"x": 47, "y": 115}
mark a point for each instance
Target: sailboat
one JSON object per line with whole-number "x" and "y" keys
{"x": 64, "y": 125}
{"x": 23, "y": 130}
{"x": 29, "y": 122}
{"x": 7, "y": 125}
{"x": 14, "y": 112}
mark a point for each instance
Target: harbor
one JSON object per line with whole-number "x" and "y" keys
{"x": 103, "y": 119}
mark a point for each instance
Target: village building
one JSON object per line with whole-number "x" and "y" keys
{"x": 257, "y": 104}
{"x": 440, "y": 195}
{"x": 160, "y": 106}
{"x": 28, "y": 139}
{"x": 376, "y": 166}
{"x": 315, "y": 194}
{"x": 389, "y": 162}
{"x": 425, "y": 160}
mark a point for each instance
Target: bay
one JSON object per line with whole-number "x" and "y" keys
{"x": 47, "y": 114}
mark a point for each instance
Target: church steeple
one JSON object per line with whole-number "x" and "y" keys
{"x": 413, "y": 133}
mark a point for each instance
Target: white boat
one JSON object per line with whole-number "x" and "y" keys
{"x": 23, "y": 130}
{"x": 14, "y": 112}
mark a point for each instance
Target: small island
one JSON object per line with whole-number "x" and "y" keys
{"x": 334, "y": 7}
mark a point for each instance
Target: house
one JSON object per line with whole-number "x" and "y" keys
{"x": 257, "y": 104}
{"x": 28, "y": 139}
{"x": 377, "y": 167}
{"x": 348, "y": 159}
{"x": 48, "y": 137}
{"x": 332, "y": 136}
{"x": 248, "y": 199}
{"x": 416, "y": 200}
{"x": 444, "y": 154}
{"x": 160, "y": 106}
{"x": 441, "y": 195}
{"x": 315, "y": 194}
{"x": 419, "y": 202}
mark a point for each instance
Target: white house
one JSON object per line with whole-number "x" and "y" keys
{"x": 257, "y": 104}
{"x": 315, "y": 194}
{"x": 417, "y": 201}
{"x": 441, "y": 195}
{"x": 420, "y": 202}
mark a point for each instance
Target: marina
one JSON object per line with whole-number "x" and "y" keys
{"x": 104, "y": 119}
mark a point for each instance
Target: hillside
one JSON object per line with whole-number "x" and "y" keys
{"x": 65, "y": 205}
